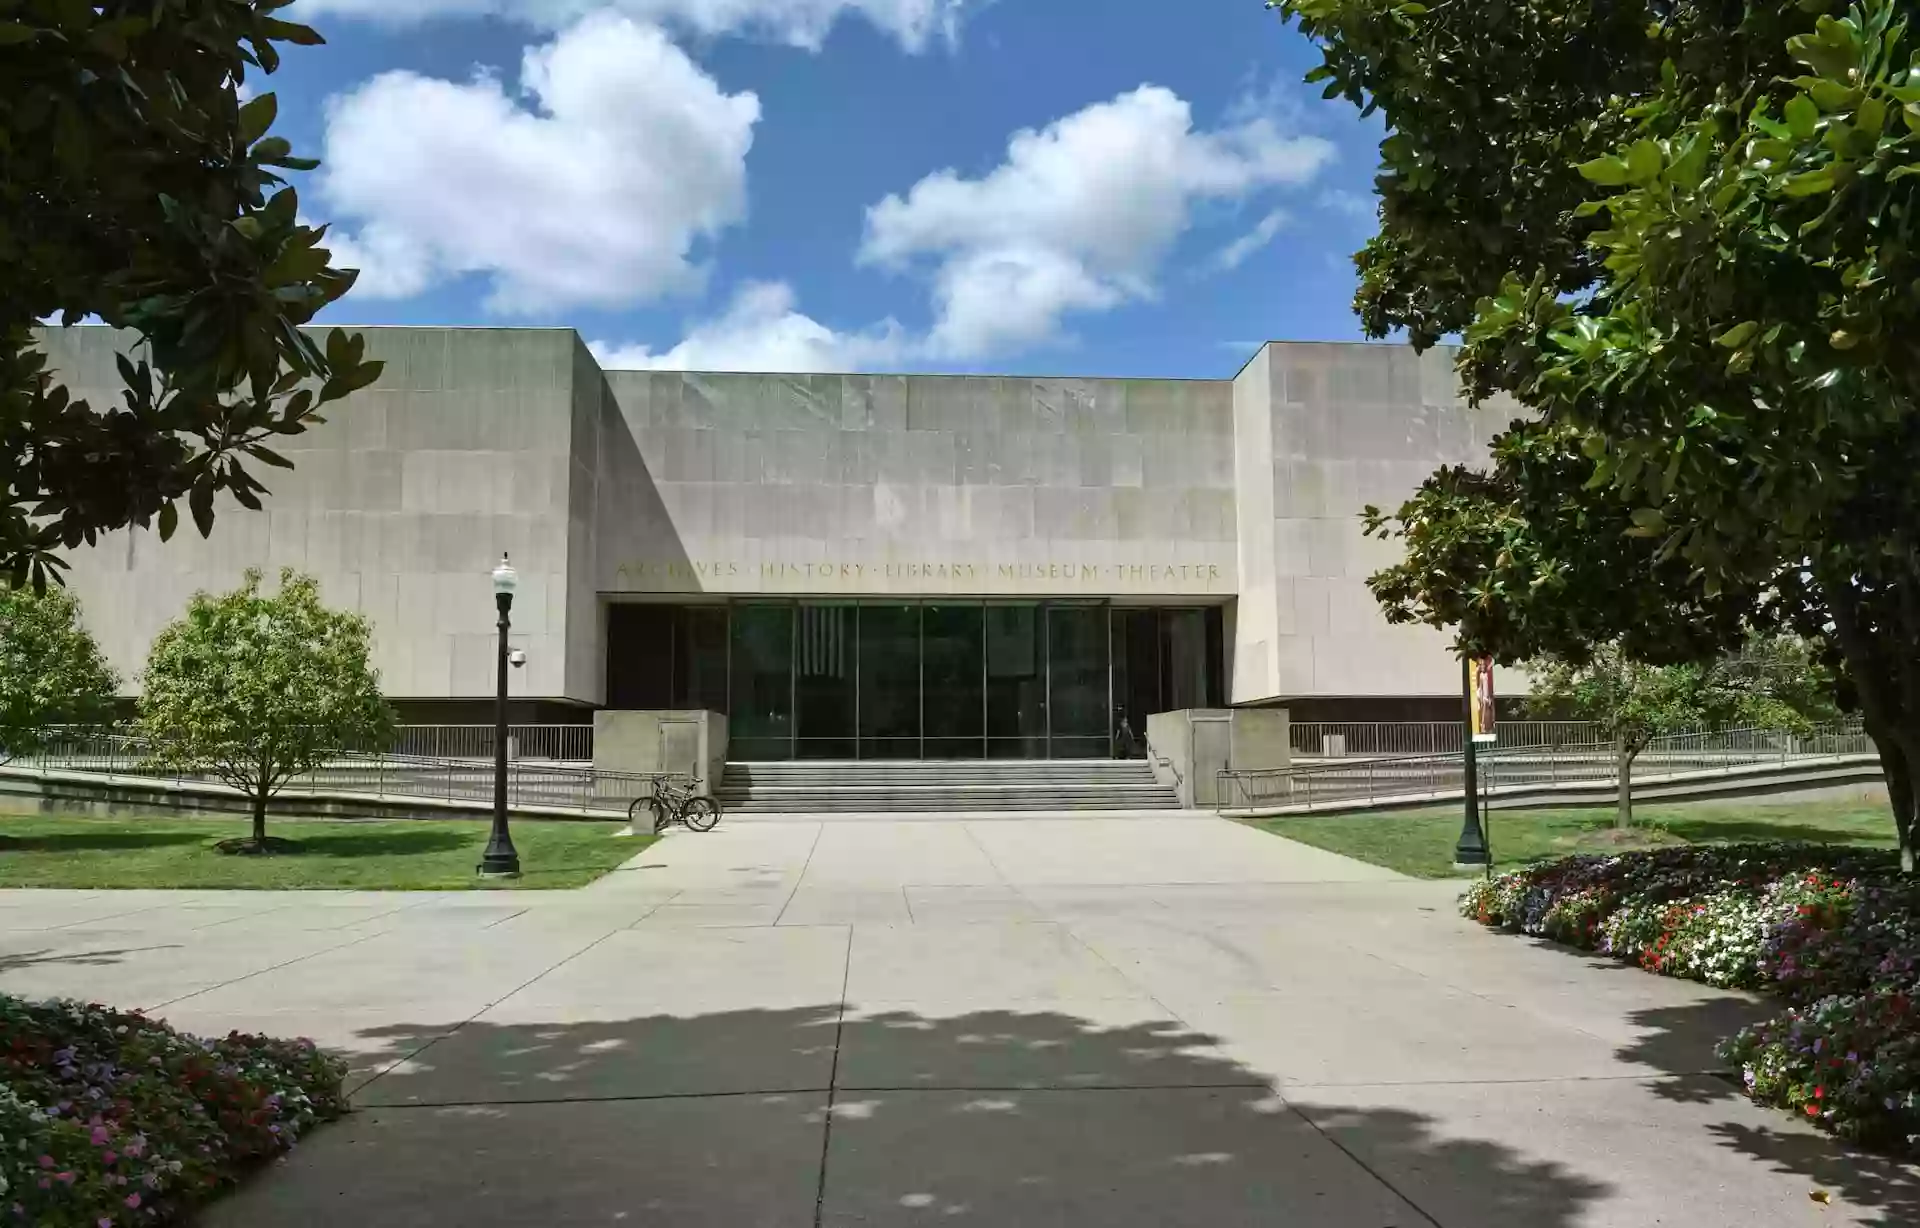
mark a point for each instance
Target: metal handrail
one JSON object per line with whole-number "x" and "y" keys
{"x": 360, "y": 772}
{"x": 559, "y": 743}
{"x": 1507, "y": 766}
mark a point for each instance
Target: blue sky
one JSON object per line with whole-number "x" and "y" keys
{"x": 1048, "y": 186}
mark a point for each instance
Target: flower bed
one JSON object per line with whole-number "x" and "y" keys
{"x": 110, "y": 1119}
{"x": 1834, "y": 933}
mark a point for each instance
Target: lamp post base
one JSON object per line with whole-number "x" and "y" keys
{"x": 1471, "y": 852}
{"x": 499, "y": 863}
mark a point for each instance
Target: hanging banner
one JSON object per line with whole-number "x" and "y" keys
{"x": 1481, "y": 707}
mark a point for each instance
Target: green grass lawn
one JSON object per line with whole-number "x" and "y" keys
{"x": 1420, "y": 842}
{"x": 405, "y": 855}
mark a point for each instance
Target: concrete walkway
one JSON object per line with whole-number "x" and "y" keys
{"x": 1114, "y": 1022}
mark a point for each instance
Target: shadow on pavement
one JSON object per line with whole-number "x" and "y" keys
{"x": 1675, "y": 1039}
{"x": 93, "y": 959}
{"x": 802, "y": 1117}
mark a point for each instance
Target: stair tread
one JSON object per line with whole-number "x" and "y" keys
{"x": 870, "y": 785}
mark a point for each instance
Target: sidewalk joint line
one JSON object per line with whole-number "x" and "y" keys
{"x": 1365, "y": 1167}
{"x": 915, "y": 1089}
{"x": 384, "y": 1071}
{"x": 285, "y": 963}
{"x": 833, "y": 1077}
{"x": 806, "y": 865}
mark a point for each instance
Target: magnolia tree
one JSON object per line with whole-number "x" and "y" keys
{"x": 1684, "y": 237}
{"x": 258, "y": 689}
{"x": 1775, "y": 685}
{"x": 139, "y": 189}
{"x": 51, "y": 671}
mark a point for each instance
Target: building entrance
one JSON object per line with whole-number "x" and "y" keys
{"x": 919, "y": 680}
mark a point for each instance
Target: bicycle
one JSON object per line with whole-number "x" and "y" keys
{"x": 674, "y": 801}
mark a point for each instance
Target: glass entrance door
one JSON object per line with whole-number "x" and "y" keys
{"x": 824, "y": 681}
{"x": 761, "y": 693}
{"x": 890, "y": 682}
{"x": 1079, "y": 699}
{"x": 1136, "y": 678}
{"x": 953, "y": 681}
{"x": 1016, "y": 682}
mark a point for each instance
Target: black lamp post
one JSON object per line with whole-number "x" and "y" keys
{"x": 501, "y": 860}
{"x": 1472, "y": 847}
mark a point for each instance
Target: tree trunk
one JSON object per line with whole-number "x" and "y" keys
{"x": 1898, "y": 767}
{"x": 1623, "y": 772}
{"x": 1886, "y": 675}
{"x": 260, "y": 817}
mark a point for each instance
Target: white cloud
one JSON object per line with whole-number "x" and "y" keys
{"x": 1235, "y": 254}
{"x": 761, "y": 331}
{"x": 1355, "y": 205}
{"x": 1080, "y": 215}
{"x": 590, "y": 186}
{"x": 802, "y": 23}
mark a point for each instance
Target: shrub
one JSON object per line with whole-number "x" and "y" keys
{"x": 1834, "y": 933}
{"x": 1850, "y": 1062}
{"x": 111, "y": 1118}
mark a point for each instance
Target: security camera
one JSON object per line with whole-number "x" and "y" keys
{"x": 516, "y": 658}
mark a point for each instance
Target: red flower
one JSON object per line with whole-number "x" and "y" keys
{"x": 1819, "y": 1093}
{"x": 1813, "y": 1110}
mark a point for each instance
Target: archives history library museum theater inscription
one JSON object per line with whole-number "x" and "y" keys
{"x": 947, "y": 576}
{"x": 976, "y": 565}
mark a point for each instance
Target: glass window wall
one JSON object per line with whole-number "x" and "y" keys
{"x": 920, "y": 680}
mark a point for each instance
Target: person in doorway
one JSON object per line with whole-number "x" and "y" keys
{"x": 1125, "y": 744}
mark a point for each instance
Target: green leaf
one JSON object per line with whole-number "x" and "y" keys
{"x": 1644, "y": 161}
{"x": 1810, "y": 183}
{"x": 200, "y": 502}
{"x": 1607, "y": 171}
{"x": 1649, "y": 518}
{"x": 291, "y": 32}
{"x": 256, "y": 116}
{"x": 1738, "y": 335}
{"x": 1832, "y": 96}
{"x": 13, "y": 32}
{"x": 1802, "y": 116}
{"x": 169, "y": 520}
{"x": 1871, "y": 117}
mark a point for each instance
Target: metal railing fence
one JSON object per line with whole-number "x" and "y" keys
{"x": 468, "y": 780}
{"x": 557, "y": 743}
{"x": 1338, "y": 739}
{"x": 1510, "y": 764}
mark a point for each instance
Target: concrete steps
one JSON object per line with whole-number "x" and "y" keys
{"x": 911, "y": 786}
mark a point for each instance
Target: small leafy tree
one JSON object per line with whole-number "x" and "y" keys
{"x": 1774, "y": 685}
{"x": 257, "y": 689}
{"x": 51, "y": 670}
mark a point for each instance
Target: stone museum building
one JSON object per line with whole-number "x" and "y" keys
{"x": 845, "y": 566}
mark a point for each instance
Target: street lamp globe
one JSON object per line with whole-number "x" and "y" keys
{"x": 505, "y": 578}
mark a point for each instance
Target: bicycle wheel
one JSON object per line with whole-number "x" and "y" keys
{"x": 700, "y": 813}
